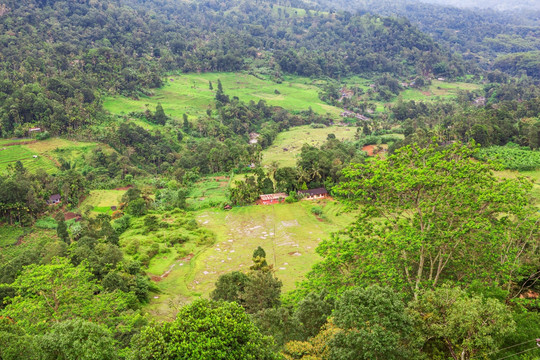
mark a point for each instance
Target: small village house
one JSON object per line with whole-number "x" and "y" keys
{"x": 313, "y": 194}
{"x": 269, "y": 199}
{"x": 54, "y": 199}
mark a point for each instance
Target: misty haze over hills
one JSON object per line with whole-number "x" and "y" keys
{"x": 491, "y": 4}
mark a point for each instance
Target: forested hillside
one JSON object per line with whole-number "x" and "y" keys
{"x": 59, "y": 57}
{"x": 268, "y": 179}
{"x": 479, "y": 35}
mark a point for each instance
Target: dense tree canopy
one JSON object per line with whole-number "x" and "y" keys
{"x": 204, "y": 330}
{"x": 429, "y": 215}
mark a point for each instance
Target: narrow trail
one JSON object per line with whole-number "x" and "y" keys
{"x": 157, "y": 278}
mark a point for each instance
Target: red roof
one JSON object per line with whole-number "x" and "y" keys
{"x": 277, "y": 196}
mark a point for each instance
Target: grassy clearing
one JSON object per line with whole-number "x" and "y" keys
{"x": 295, "y": 12}
{"x": 9, "y": 235}
{"x": 102, "y": 200}
{"x": 190, "y": 94}
{"x": 168, "y": 249}
{"x": 8, "y": 142}
{"x": 289, "y": 233}
{"x": 46, "y": 146}
{"x": 436, "y": 91}
{"x": 208, "y": 192}
{"x": 293, "y": 139}
{"x": 15, "y": 153}
{"x": 47, "y": 151}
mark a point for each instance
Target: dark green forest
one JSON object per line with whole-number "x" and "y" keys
{"x": 441, "y": 259}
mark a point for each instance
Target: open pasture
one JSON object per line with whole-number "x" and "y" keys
{"x": 437, "y": 90}
{"x": 102, "y": 200}
{"x": 191, "y": 94}
{"x": 286, "y": 148}
{"x": 289, "y": 233}
{"x": 47, "y": 151}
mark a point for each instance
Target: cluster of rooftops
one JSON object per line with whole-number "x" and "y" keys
{"x": 310, "y": 194}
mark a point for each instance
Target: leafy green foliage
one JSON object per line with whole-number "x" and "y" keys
{"x": 59, "y": 291}
{"x": 374, "y": 325}
{"x": 230, "y": 286}
{"x": 467, "y": 327}
{"x": 77, "y": 339}
{"x": 204, "y": 330}
{"x": 313, "y": 311}
{"x": 262, "y": 291}
{"x": 511, "y": 157}
{"x": 425, "y": 214}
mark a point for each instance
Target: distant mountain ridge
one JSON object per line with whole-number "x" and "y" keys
{"x": 58, "y": 56}
{"x": 500, "y": 5}
{"x": 481, "y": 35}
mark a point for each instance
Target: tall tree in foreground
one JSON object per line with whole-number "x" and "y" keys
{"x": 47, "y": 294}
{"x": 467, "y": 326}
{"x": 374, "y": 325}
{"x": 204, "y": 330}
{"x": 429, "y": 215}
{"x": 77, "y": 340}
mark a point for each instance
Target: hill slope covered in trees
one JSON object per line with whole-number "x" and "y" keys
{"x": 58, "y": 57}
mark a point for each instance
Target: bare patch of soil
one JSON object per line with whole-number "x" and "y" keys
{"x": 369, "y": 149}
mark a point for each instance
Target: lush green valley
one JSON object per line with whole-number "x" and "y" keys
{"x": 299, "y": 180}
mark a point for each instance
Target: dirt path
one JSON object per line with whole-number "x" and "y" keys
{"x": 171, "y": 268}
{"x": 21, "y": 143}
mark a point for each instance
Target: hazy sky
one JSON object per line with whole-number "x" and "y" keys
{"x": 495, "y": 4}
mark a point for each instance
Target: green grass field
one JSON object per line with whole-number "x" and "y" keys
{"x": 208, "y": 192}
{"x": 47, "y": 151}
{"x": 190, "y": 94}
{"x": 289, "y": 233}
{"x": 294, "y": 138}
{"x": 436, "y": 91}
{"x": 21, "y": 153}
{"x": 102, "y": 200}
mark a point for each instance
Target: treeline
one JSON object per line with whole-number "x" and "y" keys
{"x": 481, "y": 35}
{"x": 217, "y": 142}
{"x": 495, "y": 124}
{"x": 58, "y": 58}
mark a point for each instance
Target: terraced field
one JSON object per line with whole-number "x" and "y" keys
{"x": 12, "y": 154}
{"x": 42, "y": 154}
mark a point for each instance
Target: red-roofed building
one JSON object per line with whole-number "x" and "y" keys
{"x": 269, "y": 199}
